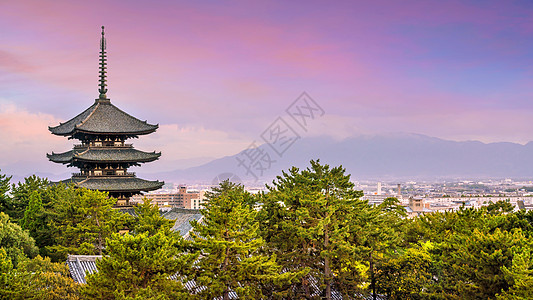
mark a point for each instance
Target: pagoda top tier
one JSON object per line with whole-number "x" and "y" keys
{"x": 103, "y": 118}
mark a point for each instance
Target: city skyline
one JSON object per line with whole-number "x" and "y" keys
{"x": 214, "y": 75}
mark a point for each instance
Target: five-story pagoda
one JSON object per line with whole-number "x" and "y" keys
{"x": 103, "y": 157}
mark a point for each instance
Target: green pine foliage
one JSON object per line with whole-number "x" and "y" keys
{"x": 227, "y": 245}
{"x": 306, "y": 221}
{"x": 139, "y": 267}
{"x": 477, "y": 253}
{"x": 16, "y": 242}
{"x": 81, "y": 220}
{"x": 309, "y": 236}
{"x": 8, "y": 285}
{"x": 21, "y": 193}
{"x": 377, "y": 235}
{"x": 41, "y": 212}
{"x": 519, "y": 275}
{"x": 142, "y": 264}
{"x": 33, "y": 212}
{"x": 37, "y": 278}
{"x": 43, "y": 279}
{"x": 149, "y": 219}
{"x": 5, "y": 197}
{"x": 407, "y": 275}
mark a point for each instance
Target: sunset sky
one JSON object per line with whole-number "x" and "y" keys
{"x": 215, "y": 74}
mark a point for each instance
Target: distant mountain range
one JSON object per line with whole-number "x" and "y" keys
{"x": 380, "y": 157}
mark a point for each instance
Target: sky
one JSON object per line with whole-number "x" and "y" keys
{"x": 215, "y": 74}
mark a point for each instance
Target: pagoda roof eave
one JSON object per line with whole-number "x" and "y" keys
{"x": 78, "y": 131}
{"x": 102, "y": 155}
{"x": 115, "y": 184}
{"x": 103, "y": 118}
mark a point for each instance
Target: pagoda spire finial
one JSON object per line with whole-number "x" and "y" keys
{"x": 103, "y": 65}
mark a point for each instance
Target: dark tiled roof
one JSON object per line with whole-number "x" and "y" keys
{"x": 118, "y": 154}
{"x": 182, "y": 218}
{"x": 104, "y": 117}
{"x": 81, "y": 265}
{"x": 115, "y": 184}
{"x": 128, "y": 210}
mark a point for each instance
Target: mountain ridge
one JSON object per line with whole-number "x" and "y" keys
{"x": 394, "y": 156}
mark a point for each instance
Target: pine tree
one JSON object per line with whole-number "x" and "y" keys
{"x": 36, "y": 278}
{"x": 38, "y": 217}
{"x": 149, "y": 219}
{"x": 8, "y": 284}
{"x": 477, "y": 253}
{"x": 15, "y": 241}
{"x": 376, "y": 233}
{"x": 407, "y": 275}
{"x": 81, "y": 220}
{"x": 500, "y": 207}
{"x": 43, "y": 279}
{"x": 305, "y": 220}
{"x": 31, "y": 218}
{"x": 21, "y": 193}
{"x": 477, "y": 261}
{"x": 519, "y": 275}
{"x": 147, "y": 263}
{"x": 227, "y": 247}
{"x": 5, "y": 187}
{"x": 140, "y": 266}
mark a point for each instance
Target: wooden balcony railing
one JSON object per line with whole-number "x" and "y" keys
{"x": 125, "y": 174}
{"x": 111, "y": 145}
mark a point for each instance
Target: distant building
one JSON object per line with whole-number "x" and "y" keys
{"x": 522, "y": 205}
{"x": 399, "y": 190}
{"x": 417, "y": 207}
{"x": 182, "y": 199}
{"x": 374, "y": 199}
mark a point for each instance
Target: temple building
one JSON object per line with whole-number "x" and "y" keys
{"x": 103, "y": 157}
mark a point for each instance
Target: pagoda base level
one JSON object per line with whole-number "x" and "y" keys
{"x": 121, "y": 188}
{"x": 123, "y": 199}
{"x": 116, "y": 185}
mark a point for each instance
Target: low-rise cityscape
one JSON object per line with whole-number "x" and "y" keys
{"x": 446, "y": 196}
{"x": 431, "y": 196}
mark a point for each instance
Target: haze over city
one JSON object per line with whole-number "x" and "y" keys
{"x": 215, "y": 75}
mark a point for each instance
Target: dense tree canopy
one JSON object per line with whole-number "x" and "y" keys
{"x": 21, "y": 194}
{"x": 306, "y": 221}
{"x": 138, "y": 267}
{"x": 5, "y": 188}
{"x": 308, "y": 236}
{"x": 81, "y": 220}
{"x": 227, "y": 246}
{"x": 16, "y": 242}
{"x": 37, "y": 278}
{"x": 141, "y": 264}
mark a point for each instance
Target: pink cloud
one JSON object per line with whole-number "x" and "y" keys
{"x": 26, "y": 139}
{"x": 234, "y": 68}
